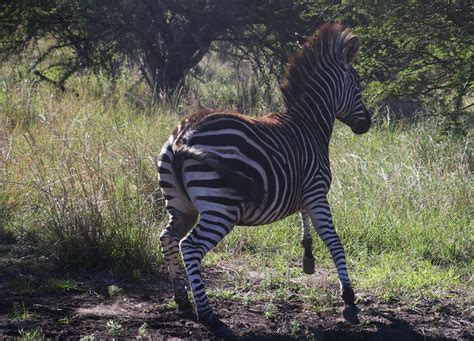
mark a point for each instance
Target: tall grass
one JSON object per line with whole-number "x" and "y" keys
{"x": 78, "y": 172}
{"x": 78, "y": 182}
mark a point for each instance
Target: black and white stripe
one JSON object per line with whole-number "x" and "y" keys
{"x": 220, "y": 169}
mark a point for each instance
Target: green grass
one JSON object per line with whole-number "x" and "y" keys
{"x": 21, "y": 312}
{"x": 88, "y": 338}
{"x": 143, "y": 330}
{"x": 79, "y": 174}
{"x": 113, "y": 327}
{"x": 79, "y": 184}
{"x": 38, "y": 285}
{"x": 60, "y": 285}
{"x": 113, "y": 291}
{"x": 33, "y": 335}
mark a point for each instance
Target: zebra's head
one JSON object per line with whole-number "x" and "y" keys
{"x": 350, "y": 109}
{"x": 320, "y": 79}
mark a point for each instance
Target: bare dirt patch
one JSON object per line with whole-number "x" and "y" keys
{"x": 145, "y": 308}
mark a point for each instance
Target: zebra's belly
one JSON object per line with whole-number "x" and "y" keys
{"x": 253, "y": 216}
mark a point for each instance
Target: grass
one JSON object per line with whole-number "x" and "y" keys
{"x": 113, "y": 327}
{"x": 271, "y": 311}
{"x": 40, "y": 284}
{"x": 28, "y": 335}
{"x": 143, "y": 330}
{"x": 113, "y": 291}
{"x": 83, "y": 175}
{"x": 88, "y": 338}
{"x": 79, "y": 185}
{"x": 21, "y": 312}
{"x": 60, "y": 285}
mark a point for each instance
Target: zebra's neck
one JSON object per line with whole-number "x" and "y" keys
{"x": 316, "y": 106}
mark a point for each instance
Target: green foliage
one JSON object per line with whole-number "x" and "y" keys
{"x": 416, "y": 52}
{"x": 397, "y": 276}
{"x": 271, "y": 310}
{"x": 221, "y": 294}
{"x": 165, "y": 38}
{"x": 64, "y": 321}
{"x": 88, "y": 338}
{"x": 229, "y": 86}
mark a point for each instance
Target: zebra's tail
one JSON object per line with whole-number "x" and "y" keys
{"x": 242, "y": 184}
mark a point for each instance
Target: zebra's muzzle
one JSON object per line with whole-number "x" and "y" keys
{"x": 362, "y": 123}
{"x": 361, "y": 126}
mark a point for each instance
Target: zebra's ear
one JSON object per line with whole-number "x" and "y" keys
{"x": 350, "y": 49}
{"x": 300, "y": 39}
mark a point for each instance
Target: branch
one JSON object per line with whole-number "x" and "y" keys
{"x": 45, "y": 54}
{"x": 467, "y": 106}
{"x": 57, "y": 84}
{"x": 49, "y": 80}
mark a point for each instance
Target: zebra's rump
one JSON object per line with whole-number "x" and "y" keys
{"x": 222, "y": 143}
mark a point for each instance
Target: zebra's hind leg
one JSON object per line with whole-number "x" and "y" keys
{"x": 307, "y": 242}
{"x": 212, "y": 227}
{"x": 321, "y": 217}
{"x": 177, "y": 228}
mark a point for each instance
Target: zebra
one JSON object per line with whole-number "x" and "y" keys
{"x": 219, "y": 169}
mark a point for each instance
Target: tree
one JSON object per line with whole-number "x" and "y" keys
{"x": 165, "y": 38}
{"x": 421, "y": 50}
{"x": 411, "y": 49}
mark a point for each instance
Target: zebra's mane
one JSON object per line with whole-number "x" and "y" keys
{"x": 326, "y": 44}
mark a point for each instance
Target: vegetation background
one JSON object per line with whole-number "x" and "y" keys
{"x": 85, "y": 109}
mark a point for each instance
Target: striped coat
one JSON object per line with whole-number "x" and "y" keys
{"x": 220, "y": 169}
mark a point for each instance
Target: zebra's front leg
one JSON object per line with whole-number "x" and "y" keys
{"x": 307, "y": 242}
{"x": 212, "y": 227}
{"x": 321, "y": 217}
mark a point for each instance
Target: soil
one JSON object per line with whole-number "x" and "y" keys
{"x": 85, "y": 310}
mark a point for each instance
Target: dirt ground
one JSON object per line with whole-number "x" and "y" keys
{"x": 88, "y": 309}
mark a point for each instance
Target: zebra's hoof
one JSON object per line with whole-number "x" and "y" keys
{"x": 350, "y": 314}
{"x": 308, "y": 265}
{"x": 219, "y": 328}
{"x": 185, "y": 308}
{"x": 222, "y": 331}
